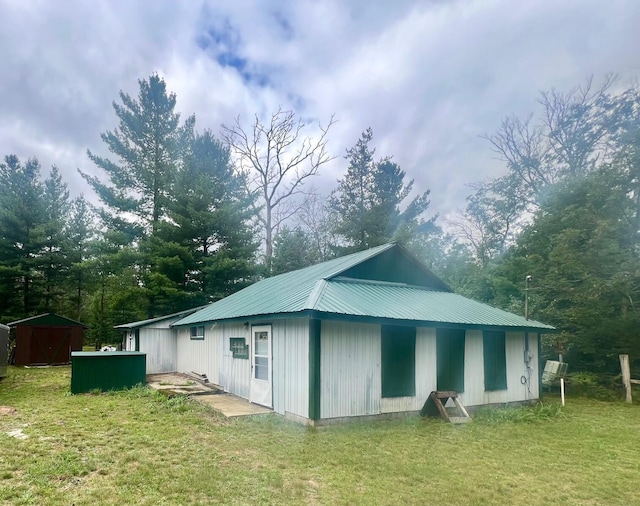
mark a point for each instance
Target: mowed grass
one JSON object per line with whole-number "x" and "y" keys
{"x": 139, "y": 447}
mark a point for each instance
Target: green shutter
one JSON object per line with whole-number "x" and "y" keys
{"x": 315, "y": 327}
{"x": 398, "y": 365}
{"x": 495, "y": 361}
{"x": 450, "y": 359}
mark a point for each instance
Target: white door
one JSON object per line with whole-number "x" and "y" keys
{"x": 260, "y": 388}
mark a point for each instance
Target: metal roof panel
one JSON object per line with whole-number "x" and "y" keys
{"x": 403, "y": 302}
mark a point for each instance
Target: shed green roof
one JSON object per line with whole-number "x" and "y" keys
{"x": 385, "y": 282}
{"x": 49, "y": 320}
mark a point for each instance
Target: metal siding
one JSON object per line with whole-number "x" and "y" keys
{"x": 130, "y": 341}
{"x": 534, "y": 372}
{"x": 291, "y": 366}
{"x": 475, "y": 395}
{"x": 349, "y": 369}
{"x": 517, "y": 368}
{"x": 160, "y": 346}
{"x": 202, "y": 356}
{"x": 278, "y": 362}
{"x": 473, "y": 369}
{"x": 296, "y": 367}
{"x": 235, "y": 373}
{"x": 106, "y": 370}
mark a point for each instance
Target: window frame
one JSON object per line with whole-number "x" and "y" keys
{"x": 195, "y": 336}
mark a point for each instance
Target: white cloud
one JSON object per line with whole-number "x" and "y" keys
{"x": 429, "y": 77}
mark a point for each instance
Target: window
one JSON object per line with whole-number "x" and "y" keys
{"x": 261, "y": 355}
{"x": 398, "y": 361}
{"x": 495, "y": 361}
{"x": 197, "y": 332}
{"x": 450, "y": 359}
{"x": 239, "y": 347}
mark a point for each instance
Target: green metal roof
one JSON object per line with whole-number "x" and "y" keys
{"x": 150, "y": 321}
{"x": 329, "y": 288}
{"x": 403, "y": 302}
{"x": 47, "y": 319}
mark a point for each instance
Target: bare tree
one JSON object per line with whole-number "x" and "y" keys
{"x": 524, "y": 148}
{"x": 317, "y": 220}
{"x": 277, "y": 159}
{"x": 577, "y": 124}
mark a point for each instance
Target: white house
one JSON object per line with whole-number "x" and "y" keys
{"x": 367, "y": 334}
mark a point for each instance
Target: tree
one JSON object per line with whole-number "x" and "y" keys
{"x": 209, "y": 213}
{"x": 587, "y": 276}
{"x": 21, "y": 220}
{"x": 368, "y": 201}
{"x": 147, "y": 145}
{"x": 316, "y": 220}
{"x": 80, "y": 235}
{"x": 277, "y": 160}
{"x": 575, "y": 134}
{"x": 292, "y": 250}
{"x": 53, "y": 260}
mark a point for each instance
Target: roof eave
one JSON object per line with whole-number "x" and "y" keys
{"x": 324, "y": 315}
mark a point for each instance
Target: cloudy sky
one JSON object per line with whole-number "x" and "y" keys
{"x": 430, "y": 77}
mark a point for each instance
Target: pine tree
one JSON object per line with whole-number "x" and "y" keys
{"x": 208, "y": 237}
{"x": 53, "y": 260}
{"x": 21, "y": 219}
{"x": 147, "y": 146}
{"x": 368, "y": 202}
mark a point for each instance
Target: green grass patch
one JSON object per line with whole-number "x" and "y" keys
{"x": 141, "y": 447}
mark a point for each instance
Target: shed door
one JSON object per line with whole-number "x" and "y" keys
{"x": 261, "y": 373}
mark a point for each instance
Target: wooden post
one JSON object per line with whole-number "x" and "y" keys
{"x": 560, "y": 359}
{"x": 626, "y": 376}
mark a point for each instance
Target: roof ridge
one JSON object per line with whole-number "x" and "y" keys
{"x": 359, "y": 281}
{"x": 315, "y": 294}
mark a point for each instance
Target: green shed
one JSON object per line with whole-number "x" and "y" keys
{"x": 103, "y": 370}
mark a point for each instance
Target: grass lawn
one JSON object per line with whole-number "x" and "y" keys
{"x": 138, "y": 447}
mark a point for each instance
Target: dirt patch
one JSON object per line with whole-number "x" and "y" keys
{"x": 17, "y": 433}
{"x": 7, "y": 410}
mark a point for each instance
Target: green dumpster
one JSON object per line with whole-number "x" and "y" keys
{"x": 107, "y": 370}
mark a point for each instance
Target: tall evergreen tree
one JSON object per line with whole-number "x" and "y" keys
{"x": 369, "y": 200}
{"x": 147, "y": 145}
{"x": 208, "y": 237}
{"x": 54, "y": 259}
{"x": 80, "y": 234}
{"x": 22, "y": 217}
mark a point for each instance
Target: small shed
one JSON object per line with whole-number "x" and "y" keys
{"x": 47, "y": 339}
{"x": 4, "y": 349}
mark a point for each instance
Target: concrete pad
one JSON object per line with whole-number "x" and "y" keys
{"x": 230, "y": 405}
{"x": 178, "y": 383}
{"x": 205, "y": 393}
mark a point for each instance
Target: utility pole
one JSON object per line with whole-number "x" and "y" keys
{"x": 527, "y": 280}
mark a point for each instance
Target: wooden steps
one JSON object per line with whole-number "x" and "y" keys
{"x": 434, "y": 406}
